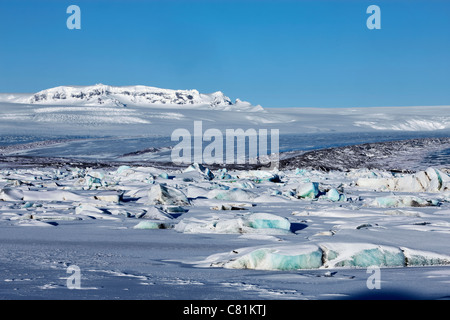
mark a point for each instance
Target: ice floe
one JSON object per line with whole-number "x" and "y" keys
{"x": 322, "y": 255}
{"x": 430, "y": 180}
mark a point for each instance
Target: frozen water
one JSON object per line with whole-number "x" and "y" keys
{"x": 308, "y": 190}
{"x": 403, "y": 201}
{"x": 160, "y": 194}
{"x": 234, "y": 194}
{"x": 430, "y": 180}
{"x": 267, "y": 220}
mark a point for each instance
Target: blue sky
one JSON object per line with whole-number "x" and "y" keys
{"x": 273, "y": 53}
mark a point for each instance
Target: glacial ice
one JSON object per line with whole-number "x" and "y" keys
{"x": 291, "y": 257}
{"x": 201, "y": 169}
{"x": 334, "y": 195}
{"x": 402, "y": 201}
{"x": 161, "y": 194}
{"x": 108, "y": 196}
{"x": 323, "y": 255}
{"x": 261, "y": 223}
{"x": 423, "y": 258}
{"x": 154, "y": 213}
{"x": 249, "y": 206}
{"x": 260, "y": 176}
{"x": 308, "y": 190}
{"x": 430, "y": 180}
{"x": 234, "y": 194}
{"x": 95, "y": 180}
{"x": 267, "y": 220}
{"x": 152, "y": 225}
{"x": 361, "y": 255}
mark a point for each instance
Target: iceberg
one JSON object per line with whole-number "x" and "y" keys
{"x": 152, "y": 225}
{"x": 276, "y": 258}
{"x": 430, "y": 180}
{"x": 232, "y": 206}
{"x": 423, "y": 258}
{"x": 334, "y": 195}
{"x": 402, "y": 201}
{"x": 361, "y": 255}
{"x": 161, "y": 194}
{"x": 201, "y": 169}
{"x": 323, "y": 255}
{"x": 260, "y": 176}
{"x": 109, "y": 196}
{"x": 234, "y": 194}
{"x": 308, "y": 190}
{"x": 95, "y": 179}
{"x": 259, "y": 223}
{"x": 154, "y": 213}
{"x": 224, "y": 175}
{"x": 267, "y": 221}
{"x": 125, "y": 170}
{"x": 163, "y": 175}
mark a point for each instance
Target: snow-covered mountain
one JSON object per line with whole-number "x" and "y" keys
{"x": 105, "y": 95}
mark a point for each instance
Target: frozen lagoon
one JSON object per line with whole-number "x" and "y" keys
{"x": 54, "y": 218}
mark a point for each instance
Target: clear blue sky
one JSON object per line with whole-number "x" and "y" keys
{"x": 273, "y": 53}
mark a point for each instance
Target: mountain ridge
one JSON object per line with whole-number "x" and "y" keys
{"x": 139, "y": 95}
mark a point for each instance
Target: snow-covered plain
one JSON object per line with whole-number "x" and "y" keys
{"x": 85, "y": 183}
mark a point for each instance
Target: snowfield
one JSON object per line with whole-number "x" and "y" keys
{"x": 86, "y": 180}
{"x": 153, "y": 226}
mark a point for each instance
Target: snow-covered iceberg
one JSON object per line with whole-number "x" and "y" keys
{"x": 260, "y": 223}
{"x": 402, "y": 201}
{"x": 161, "y": 194}
{"x": 200, "y": 169}
{"x": 323, "y": 255}
{"x": 291, "y": 257}
{"x": 234, "y": 194}
{"x": 430, "y": 180}
{"x": 267, "y": 221}
{"x": 309, "y": 190}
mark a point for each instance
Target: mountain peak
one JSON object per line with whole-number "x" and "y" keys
{"x": 101, "y": 94}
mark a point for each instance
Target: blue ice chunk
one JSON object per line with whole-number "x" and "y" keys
{"x": 308, "y": 190}
{"x": 267, "y": 221}
{"x": 122, "y": 169}
{"x": 333, "y": 195}
{"x": 273, "y": 259}
{"x": 164, "y": 175}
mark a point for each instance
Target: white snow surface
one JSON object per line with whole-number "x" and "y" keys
{"x": 158, "y": 227}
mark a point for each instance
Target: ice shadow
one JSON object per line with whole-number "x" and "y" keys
{"x": 296, "y": 226}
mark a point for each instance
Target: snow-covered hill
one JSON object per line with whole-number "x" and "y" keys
{"x": 104, "y": 95}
